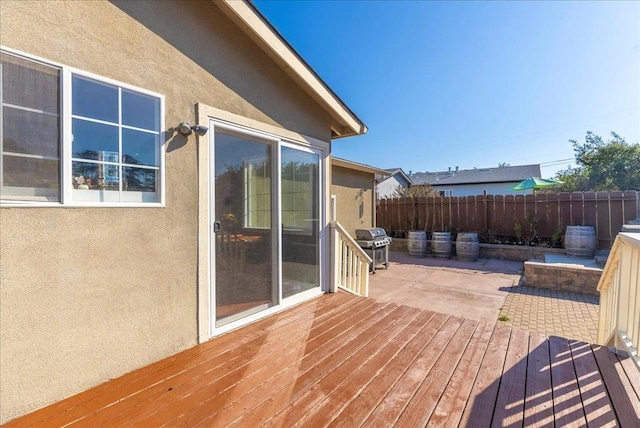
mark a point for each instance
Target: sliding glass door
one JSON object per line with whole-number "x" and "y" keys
{"x": 243, "y": 229}
{"x": 300, "y": 180}
{"x": 266, "y": 223}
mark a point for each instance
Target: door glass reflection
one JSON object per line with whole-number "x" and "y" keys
{"x": 300, "y": 221}
{"x": 244, "y": 262}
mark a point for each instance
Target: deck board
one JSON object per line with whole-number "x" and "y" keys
{"x": 567, "y": 405}
{"x": 293, "y": 413}
{"x": 387, "y": 356}
{"x": 392, "y": 406}
{"x": 426, "y": 398}
{"x": 597, "y": 406}
{"x": 454, "y": 399}
{"x": 341, "y": 360}
{"x": 92, "y": 400}
{"x": 632, "y": 372}
{"x": 359, "y": 408}
{"x": 482, "y": 400}
{"x": 314, "y": 367}
{"x": 335, "y": 401}
{"x": 539, "y": 402}
{"x": 224, "y": 371}
{"x": 627, "y": 410}
{"x": 509, "y": 409}
{"x": 214, "y": 400}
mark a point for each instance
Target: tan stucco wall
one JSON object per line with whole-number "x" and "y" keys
{"x": 87, "y": 294}
{"x": 354, "y": 198}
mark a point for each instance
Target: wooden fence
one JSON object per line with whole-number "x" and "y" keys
{"x": 606, "y": 211}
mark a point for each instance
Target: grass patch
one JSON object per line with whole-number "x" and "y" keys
{"x": 503, "y": 318}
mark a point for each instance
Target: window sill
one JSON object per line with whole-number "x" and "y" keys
{"x": 14, "y": 204}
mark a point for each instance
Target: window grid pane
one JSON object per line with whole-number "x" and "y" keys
{"x": 119, "y": 158}
{"x": 31, "y": 140}
{"x": 30, "y": 124}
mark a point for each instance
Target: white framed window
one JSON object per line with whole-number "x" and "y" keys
{"x": 30, "y": 126}
{"x": 73, "y": 138}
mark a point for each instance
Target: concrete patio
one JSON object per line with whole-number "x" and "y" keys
{"x": 484, "y": 290}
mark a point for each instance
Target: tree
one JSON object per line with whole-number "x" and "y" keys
{"x": 603, "y": 165}
{"x": 415, "y": 191}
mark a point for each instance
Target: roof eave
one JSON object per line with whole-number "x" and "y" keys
{"x": 344, "y": 163}
{"x": 249, "y": 19}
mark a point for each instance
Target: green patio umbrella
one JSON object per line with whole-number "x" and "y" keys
{"x": 536, "y": 183}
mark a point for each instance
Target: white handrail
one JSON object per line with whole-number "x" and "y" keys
{"x": 619, "y": 287}
{"x": 349, "y": 263}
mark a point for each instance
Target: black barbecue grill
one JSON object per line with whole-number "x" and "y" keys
{"x": 375, "y": 242}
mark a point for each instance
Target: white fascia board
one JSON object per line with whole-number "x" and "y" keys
{"x": 343, "y": 163}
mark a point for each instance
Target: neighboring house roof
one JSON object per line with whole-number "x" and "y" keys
{"x": 397, "y": 171}
{"x": 480, "y": 175}
{"x": 357, "y": 166}
{"x": 257, "y": 27}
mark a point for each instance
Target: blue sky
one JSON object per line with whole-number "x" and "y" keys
{"x": 472, "y": 84}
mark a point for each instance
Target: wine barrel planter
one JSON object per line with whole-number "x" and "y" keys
{"x": 441, "y": 244}
{"x": 467, "y": 246}
{"x": 580, "y": 241}
{"x": 417, "y": 243}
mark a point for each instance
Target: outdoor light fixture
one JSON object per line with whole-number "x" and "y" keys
{"x": 199, "y": 129}
{"x": 186, "y": 129}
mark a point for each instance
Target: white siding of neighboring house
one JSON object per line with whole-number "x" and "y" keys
{"x": 478, "y": 189}
{"x": 387, "y": 188}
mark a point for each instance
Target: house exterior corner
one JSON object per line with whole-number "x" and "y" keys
{"x": 105, "y": 262}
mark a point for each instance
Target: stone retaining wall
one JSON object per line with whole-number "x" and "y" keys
{"x": 578, "y": 279}
{"x": 518, "y": 253}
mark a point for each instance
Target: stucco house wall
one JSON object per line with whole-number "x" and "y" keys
{"x": 354, "y": 191}
{"x": 88, "y": 294}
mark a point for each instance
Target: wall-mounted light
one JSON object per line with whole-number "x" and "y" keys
{"x": 199, "y": 129}
{"x": 186, "y": 129}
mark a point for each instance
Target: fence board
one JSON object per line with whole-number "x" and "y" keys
{"x": 554, "y": 222}
{"x": 590, "y": 210}
{"x": 606, "y": 211}
{"x": 602, "y": 220}
{"x": 564, "y": 209}
{"x": 454, "y": 209}
{"x": 631, "y": 205}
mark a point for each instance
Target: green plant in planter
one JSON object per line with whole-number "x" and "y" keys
{"x": 556, "y": 239}
{"x": 488, "y": 236}
{"x": 517, "y": 228}
{"x": 534, "y": 226}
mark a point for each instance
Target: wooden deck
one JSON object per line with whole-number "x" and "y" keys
{"x": 341, "y": 360}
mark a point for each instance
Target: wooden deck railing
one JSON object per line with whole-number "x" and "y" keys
{"x": 349, "y": 262}
{"x": 619, "y": 286}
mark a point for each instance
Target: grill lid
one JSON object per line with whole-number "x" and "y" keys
{"x": 371, "y": 234}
